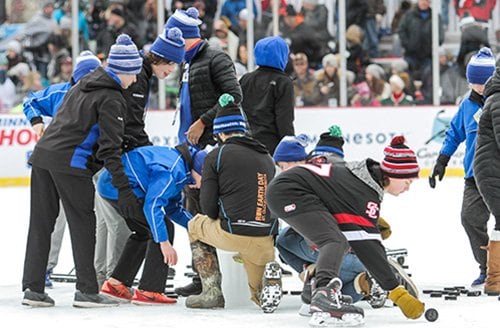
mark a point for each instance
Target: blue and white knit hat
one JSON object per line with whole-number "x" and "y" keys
{"x": 291, "y": 149}
{"x": 169, "y": 45}
{"x": 86, "y": 62}
{"x": 187, "y": 21}
{"x": 124, "y": 58}
{"x": 481, "y": 66}
{"x": 330, "y": 142}
{"x": 229, "y": 117}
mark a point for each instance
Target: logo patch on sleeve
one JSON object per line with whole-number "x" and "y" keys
{"x": 290, "y": 208}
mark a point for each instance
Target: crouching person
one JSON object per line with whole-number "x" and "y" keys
{"x": 235, "y": 216}
{"x": 157, "y": 176}
{"x": 336, "y": 206}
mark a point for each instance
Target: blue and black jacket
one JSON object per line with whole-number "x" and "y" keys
{"x": 45, "y": 102}
{"x": 157, "y": 175}
{"x": 87, "y": 130}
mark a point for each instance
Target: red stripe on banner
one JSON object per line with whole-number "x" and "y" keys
{"x": 344, "y": 218}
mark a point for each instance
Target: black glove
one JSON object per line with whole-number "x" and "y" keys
{"x": 128, "y": 204}
{"x": 439, "y": 169}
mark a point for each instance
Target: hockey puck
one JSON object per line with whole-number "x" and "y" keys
{"x": 431, "y": 314}
{"x": 450, "y": 298}
{"x": 436, "y": 294}
{"x": 474, "y": 293}
{"x": 296, "y": 292}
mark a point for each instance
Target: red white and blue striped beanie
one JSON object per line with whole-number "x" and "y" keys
{"x": 187, "y": 21}
{"x": 229, "y": 117}
{"x": 400, "y": 162}
{"x": 481, "y": 66}
{"x": 124, "y": 58}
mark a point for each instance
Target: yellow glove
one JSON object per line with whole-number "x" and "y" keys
{"x": 411, "y": 307}
{"x": 384, "y": 227}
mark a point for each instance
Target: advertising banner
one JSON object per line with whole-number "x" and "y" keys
{"x": 366, "y": 131}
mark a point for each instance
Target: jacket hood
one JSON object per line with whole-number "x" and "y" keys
{"x": 247, "y": 142}
{"x": 493, "y": 84}
{"x": 272, "y": 52}
{"x": 97, "y": 80}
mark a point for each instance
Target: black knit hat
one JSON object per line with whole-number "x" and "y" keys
{"x": 229, "y": 117}
{"x": 330, "y": 142}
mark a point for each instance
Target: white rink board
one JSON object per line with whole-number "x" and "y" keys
{"x": 366, "y": 130}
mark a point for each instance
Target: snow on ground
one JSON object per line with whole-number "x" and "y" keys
{"x": 424, "y": 221}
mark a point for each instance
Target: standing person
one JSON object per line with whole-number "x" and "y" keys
{"x": 86, "y": 131}
{"x": 486, "y": 159}
{"x": 156, "y": 176}
{"x": 307, "y": 196}
{"x": 161, "y": 60}
{"x": 46, "y": 102}
{"x": 207, "y": 73}
{"x": 235, "y": 215}
{"x": 268, "y": 99}
{"x": 415, "y": 34}
{"x": 463, "y": 128}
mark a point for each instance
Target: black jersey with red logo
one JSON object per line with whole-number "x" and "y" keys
{"x": 350, "y": 191}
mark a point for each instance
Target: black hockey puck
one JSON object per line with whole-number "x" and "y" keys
{"x": 450, "y": 298}
{"x": 295, "y": 292}
{"x": 474, "y": 293}
{"x": 431, "y": 314}
{"x": 436, "y": 294}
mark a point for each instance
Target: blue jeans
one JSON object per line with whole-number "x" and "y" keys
{"x": 296, "y": 252}
{"x": 371, "y": 37}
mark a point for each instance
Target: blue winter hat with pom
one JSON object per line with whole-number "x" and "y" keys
{"x": 481, "y": 66}
{"x": 187, "y": 21}
{"x": 124, "y": 58}
{"x": 291, "y": 149}
{"x": 86, "y": 62}
{"x": 169, "y": 45}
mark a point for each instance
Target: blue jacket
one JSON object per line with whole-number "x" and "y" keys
{"x": 463, "y": 127}
{"x": 157, "y": 175}
{"x": 45, "y": 102}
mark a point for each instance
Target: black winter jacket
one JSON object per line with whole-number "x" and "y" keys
{"x": 137, "y": 98}
{"x": 268, "y": 102}
{"x": 234, "y": 185}
{"x": 211, "y": 73}
{"x": 86, "y": 131}
{"x": 487, "y": 153}
{"x": 415, "y": 34}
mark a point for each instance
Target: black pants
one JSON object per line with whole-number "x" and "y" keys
{"x": 475, "y": 215}
{"x": 322, "y": 229}
{"x": 77, "y": 196}
{"x": 141, "y": 247}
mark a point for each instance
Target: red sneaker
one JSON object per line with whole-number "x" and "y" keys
{"x": 119, "y": 292}
{"x": 142, "y": 297}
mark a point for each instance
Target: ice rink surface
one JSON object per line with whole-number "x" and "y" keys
{"x": 424, "y": 221}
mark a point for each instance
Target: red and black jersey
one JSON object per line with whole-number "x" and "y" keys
{"x": 351, "y": 192}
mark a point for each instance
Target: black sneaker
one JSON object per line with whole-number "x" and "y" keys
{"x": 194, "y": 288}
{"x": 35, "y": 299}
{"x": 92, "y": 300}
{"x": 327, "y": 307}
